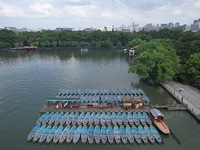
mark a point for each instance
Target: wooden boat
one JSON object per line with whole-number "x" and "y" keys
{"x": 117, "y": 134}
{"x": 124, "y": 118}
{"x": 91, "y": 134}
{"x": 92, "y": 118}
{"x": 158, "y": 119}
{"x": 119, "y": 118}
{"x": 149, "y": 134}
{"x": 123, "y": 134}
{"x": 51, "y": 134}
{"x": 136, "y": 134}
{"x": 130, "y": 118}
{"x": 63, "y": 135}
{"x": 97, "y": 118}
{"x": 45, "y": 134}
{"x": 75, "y": 119}
{"x": 84, "y": 134}
{"x": 57, "y": 134}
{"x": 32, "y": 133}
{"x": 129, "y": 134}
{"x": 103, "y": 134}
{"x": 110, "y": 134}
{"x": 108, "y": 118}
{"x": 77, "y": 134}
{"x": 114, "y": 118}
{"x": 147, "y": 118}
{"x": 136, "y": 119}
{"x": 103, "y": 120}
{"x": 97, "y": 133}
{"x": 141, "y": 118}
{"x": 39, "y": 133}
{"x": 142, "y": 134}
{"x": 70, "y": 134}
{"x": 155, "y": 134}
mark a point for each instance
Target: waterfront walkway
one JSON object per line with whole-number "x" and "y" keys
{"x": 186, "y": 95}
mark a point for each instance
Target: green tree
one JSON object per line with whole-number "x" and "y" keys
{"x": 119, "y": 44}
{"x": 193, "y": 65}
{"x": 54, "y": 44}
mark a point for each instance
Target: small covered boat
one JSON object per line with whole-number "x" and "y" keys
{"x": 117, "y": 134}
{"x": 108, "y": 118}
{"x": 97, "y": 118}
{"x": 42, "y": 118}
{"x": 71, "y": 117}
{"x": 149, "y": 134}
{"x": 57, "y": 134}
{"x": 64, "y": 118}
{"x": 119, "y": 118}
{"x": 32, "y": 133}
{"x": 86, "y": 118}
{"x": 136, "y": 134}
{"x": 110, "y": 134}
{"x": 123, "y": 134}
{"x": 91, "y": 134}
{"x": 114, "y": 118}
{"x": 84, "y": 134}
{"x": 70, "y": 134}
{"x": 142, "y": 134}
{"x": 155, "y": 134}
{"x": 158, "y": 119}
{"x": 124, "y": 118}
{"x": 77, "y": 134}
{"x": 97, "y": 133}
{"x": 45, "y": 134}
{"x": 58, "y": 118}
{"x": 129, "y": 134}
{"x": 136, "y": 119}
{"x": 53, "y": 118}
{"x": 47, "y": 118}
{"x": 39, "y": 133}
{"x": 130, "y": 118}
{"x": 103, "y": 118}
{"x": 80, "y": 118}
{"x": 147, "y": 118}
{"x": 141, "y": 118}
{"x": 51, "y": 134}
{"x": 75, "y": 119}
{"x": 103, "y": 134}
{"x": 92, "y": 118}
{"x": 63, "y": 135}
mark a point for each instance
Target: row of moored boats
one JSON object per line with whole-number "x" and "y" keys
{"x": 82, "y": 118}
{"x": 97, "y": 134}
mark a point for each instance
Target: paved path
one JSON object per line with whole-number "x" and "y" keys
{"x": 187, "y": 95}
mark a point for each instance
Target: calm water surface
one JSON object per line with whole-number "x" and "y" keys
{"x": 28, "y": 78}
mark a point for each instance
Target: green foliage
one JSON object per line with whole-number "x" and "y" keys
{"x": 193, "y": 65}
{"x": 119, "y": 44}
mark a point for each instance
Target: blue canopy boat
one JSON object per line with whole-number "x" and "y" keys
{"x": 80, "y": 118}
{"x": 47, "y": 118}
{"x": 70, "y": 134}
{"x": 91, "y": 134}
{"x": 51, "y": 134}
{"x": 110, "y": 134}
{"x": 39, "y": 133}
{"x": 155, "y": 134}
{"x": 124, "y": 118}
{"x": 57, "y": 134}
{"x": 71, "y": 117}
{"x": 63, "y": 135}
{"x": 97, "y": 118}
{"x": 141, "y": 118}
{"x": 130, "y": 118}
{"x": 136, "y": 119}
{"x": 114, "y": 118}
{"x": 32, "y": 133}
{"x": 58, "y": 118}
{"x": 123, "y": 134}
{"x": 75, "y": 119}
{"x": 142, "y": 134}
{"x": 147, "y": 118}
{"x": 129, "y": 134}
{"x": 84, "y": 134}
{"x": 149, "y": 134}
{"x": 136, "y": 134}
{"x": 97, "y": 133}
{"x": 41, "y": 119}
{"x": 108, "y": 118}
{"x": 77, "y": 134}
{"x": 53, "y": 118}
{"x": 45, "y": 134}
{"x": 92, "y": 118}
{"x": 86, "y": 118}
{"x": 103, "y": 134}
{"x": 103, "y": 120}
{"x": 64, "y": 118}
{"x": 116, "y": 134}
{"x": 119, "y": 118}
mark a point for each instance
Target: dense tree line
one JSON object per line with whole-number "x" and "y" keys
{"x": 163, "y": 55}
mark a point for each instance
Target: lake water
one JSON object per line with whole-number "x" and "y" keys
{"x": 27, "y": 78}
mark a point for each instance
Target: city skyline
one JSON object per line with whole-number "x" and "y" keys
{"x": 49, "y": 14}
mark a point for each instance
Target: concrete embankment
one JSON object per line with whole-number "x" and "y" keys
{"x": 185, "y": 95}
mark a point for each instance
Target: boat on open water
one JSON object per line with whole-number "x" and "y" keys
{"x": 123, "y": 134}
{"x": 63, "y": 135}
{"x": 149, "y": 134}
{"x": 57, "y": 134}
{"x": 155, "y": 134}
{"x": 142, "y": 134}
{"x": 110, "y": 134}
{"x": 84, "y": 134}
{"x": 117, "y": 134}
{"x": 91, "y": 134}
{"x": 97, "y": 134}
{"x": 108, "y": 118}
{"x": 45, "y": 134}
{"x": 97, "y": 118}
{"x": 51, "y": 134}
{"x": 114, "y": 118}
{"x": 70, "y": 134}
{"x": 92, "y": 118}
{"x": 136, "y": 134}
{"x": 119, "y": 118}
{"x": 129, "y": 134}
{"x": 103, "y": 134}
{"x": 77, "y": 134}
{"x": 39, "y": 133}
{"x": 32, "y": 133}
{"x": 136, "y": 119}
{"x": 80, "y": 118}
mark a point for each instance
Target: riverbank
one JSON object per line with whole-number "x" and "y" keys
{"x": 185, "y": 95}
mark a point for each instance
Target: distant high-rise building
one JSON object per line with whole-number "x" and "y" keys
{"x": 177, "y": 24}
{"x": 171, "y": 25}
{"x": 197, "y": 21}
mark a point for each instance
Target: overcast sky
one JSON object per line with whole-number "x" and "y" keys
{"x": 49, "y": 14}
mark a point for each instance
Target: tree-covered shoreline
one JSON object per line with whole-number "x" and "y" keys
{"x": 163, "y": 55}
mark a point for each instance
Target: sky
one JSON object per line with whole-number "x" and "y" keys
{"x": 50, "y": 14}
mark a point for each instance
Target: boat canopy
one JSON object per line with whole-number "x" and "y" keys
{"x": 127, "y": 104}
{"x": 64, "y": 100}
{"x": 156, "y": 113}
